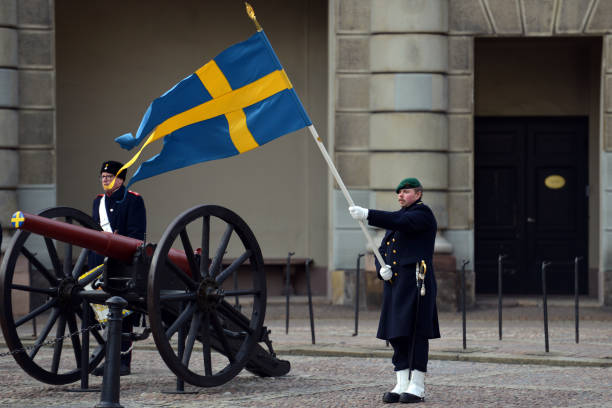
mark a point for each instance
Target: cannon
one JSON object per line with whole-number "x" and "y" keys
{"x": 181, "y": 288}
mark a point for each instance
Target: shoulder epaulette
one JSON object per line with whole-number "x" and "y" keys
{"x": 133, "y": 192}
{"x": 99, "y": 195}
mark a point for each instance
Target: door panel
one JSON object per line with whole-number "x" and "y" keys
{"x": 530, "y": 202}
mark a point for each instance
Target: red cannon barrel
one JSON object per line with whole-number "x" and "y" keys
{"x": 105, "y": 243}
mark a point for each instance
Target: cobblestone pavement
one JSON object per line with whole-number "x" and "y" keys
{"x": 342, "y": 370}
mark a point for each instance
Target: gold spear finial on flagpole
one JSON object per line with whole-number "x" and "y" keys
{"x": 251, "y": 14}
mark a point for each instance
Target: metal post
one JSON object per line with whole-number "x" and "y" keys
{"x": 500, "y": 270}
{"x": 237, "y": 298}
{"x": 312, "y": 330}
{"x": 576, "y": 300}
{"x": 34, "y": 331}
{"x": 85, "y": 347}
{"x": 287, "y": 290}
{"x": 180, "y": 383}
{"x": 357, "y": 289}
{"x": 545, "y": 265}
{"x": 463, "y": 299}
{"x": 109, "y": 397}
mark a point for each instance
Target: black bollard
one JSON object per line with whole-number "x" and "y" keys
{"x": 109, "y": 397}
{"x": 576, "y": 318}
{"x": 287, "y": 290}
{"x": 357, "y": 273}
{"x": 500, "y": 269}
{"x": 545, "y": 265}
{"x": 463, "y": 299}
{"x": 312, "y": 330}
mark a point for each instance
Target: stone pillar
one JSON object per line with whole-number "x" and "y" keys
{"x": 9, "y": 102}
{"x": 391, "y": 102}
{"x": 36, "y": 114}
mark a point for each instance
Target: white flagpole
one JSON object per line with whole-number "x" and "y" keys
{"x": 333, "y": 170}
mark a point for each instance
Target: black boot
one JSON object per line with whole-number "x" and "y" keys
{"x": 391, "y": 397}
{"x": 408, "y": 398}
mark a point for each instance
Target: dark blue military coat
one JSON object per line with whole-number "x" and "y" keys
{"x": 127, "y": 217}
{"x": 410, "y": 238}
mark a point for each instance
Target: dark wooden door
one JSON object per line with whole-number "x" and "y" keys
{"x": 530, "y": 202}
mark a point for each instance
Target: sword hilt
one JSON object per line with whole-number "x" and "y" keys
{"x": 421, "y": 276}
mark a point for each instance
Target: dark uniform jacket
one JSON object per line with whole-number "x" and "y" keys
{"x": 410, "y": 238}
{"x": 127, "y": 217}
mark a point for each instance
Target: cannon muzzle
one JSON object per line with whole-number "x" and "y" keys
{"x": 105, "y": 243}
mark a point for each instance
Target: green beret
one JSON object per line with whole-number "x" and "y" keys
{"x": 409, "y": 182}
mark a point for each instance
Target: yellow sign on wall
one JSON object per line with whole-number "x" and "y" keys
{"x": 554, "y": 181}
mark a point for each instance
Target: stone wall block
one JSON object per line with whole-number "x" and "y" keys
{"x": 8, "y": 205}
{"x": 8, "y": 13}
{"x": 506, "y": 16}
{"x": 352, "y": 130}
{"x": 34, "y": 13}
{"x": 409, "y": 16}
{"x": 601, "y": 18}
{"x": 354, "y": 168}
{"x": 9, "y": 88}
{"x": 408, "y": 53}
{"x": 468, "y": 16}
{"x": 36, "y": 89}
{"x": 459, "y": 210}
{"x": 35, "y": 49}
{"x": 36, "y": 167}
{"x": 353, "y": 54}
{"x": 538, "y": 16}
{"x": 8, "y": 128}
{"x": 36, "y": 127}
{"x": 460, "y": 54}
{"x": 9, "y": 175}
{"x": 8, "y": 47}
{"x": 461, "y": 93}
{"x": 353, "y": 15}
{"x": 460, "y": 170}
{"x": 429, "y": 167}
{"x": 460, "y": 133}
{"x": 408, "y": 131}
{"x": 572, "y": 16}
{"x": 352, "y": 92}
{"x": 408, "y": 92}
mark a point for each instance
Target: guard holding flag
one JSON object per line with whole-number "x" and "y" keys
{"x": 123, "y": 214}
{"x": 409, "y": 317}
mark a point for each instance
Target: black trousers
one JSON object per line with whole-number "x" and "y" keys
{"x": 401, "y": 353}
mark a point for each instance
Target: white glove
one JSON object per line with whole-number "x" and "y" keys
{"x": 385, "y": 272}
{"x": 358, "y": 213}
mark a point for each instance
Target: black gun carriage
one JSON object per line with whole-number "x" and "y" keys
{"x": 181, "y": 287}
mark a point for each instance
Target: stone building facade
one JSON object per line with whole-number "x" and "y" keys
{"x": 402, "y": 82}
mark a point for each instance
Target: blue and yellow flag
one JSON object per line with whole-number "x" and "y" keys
{"x": 240, "y": 100}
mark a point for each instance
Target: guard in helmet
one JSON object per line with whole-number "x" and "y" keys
{"x": 122, "y": 214}
{"x": 409, "y": 239}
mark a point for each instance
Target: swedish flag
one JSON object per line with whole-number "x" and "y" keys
{"x": 238, "y": 101}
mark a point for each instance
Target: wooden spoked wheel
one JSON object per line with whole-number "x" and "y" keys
{"x": 190, "y": 301}
{"x": 54, "y": 307}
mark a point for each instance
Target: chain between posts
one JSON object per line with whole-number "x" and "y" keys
{"x": 57, "y": 339}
